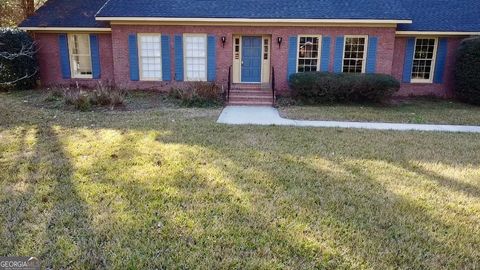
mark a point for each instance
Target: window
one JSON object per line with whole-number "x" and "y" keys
{"x": 150, "y": 57}
{"x": 308, "y": 54}
{"x": 354, "y": 54}
{"x": 195, "y": 47}
{"x": 265, "y": 49}
{"x": 80, "y": 56}
{"x": 424, "y": 59}
{"x": 237, "y": 48}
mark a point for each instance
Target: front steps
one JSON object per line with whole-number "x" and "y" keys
{"x": 250, "y": 95}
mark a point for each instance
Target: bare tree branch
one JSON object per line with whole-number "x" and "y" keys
{"x": 27, "y": 76}
{"x": 26, "y": 50}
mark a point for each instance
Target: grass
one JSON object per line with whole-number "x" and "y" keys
{"x": 163, "y": 187}
{"x": 415, "y": 111}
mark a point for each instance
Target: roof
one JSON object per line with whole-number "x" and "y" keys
{"x": 256, "y": 9}
{"x": 67, "y": 13}
{"x": 443, "y": 15}
{"x": 427, "y": 15}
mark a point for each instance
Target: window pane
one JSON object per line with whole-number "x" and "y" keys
{"x": 308, "y": 53}
{"x": 353, "y": 58}
{"x": 151, "y": 57}
{"x": 195, "y": 58}
{"x": 80, "y": 57}
{"x": 423, "y": 59}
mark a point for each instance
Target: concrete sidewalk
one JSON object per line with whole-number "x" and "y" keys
{"x": 249, "y": 115}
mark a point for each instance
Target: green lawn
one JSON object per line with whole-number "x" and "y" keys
{"x": 417, "y": 111}
{"x": 164, "y": 187}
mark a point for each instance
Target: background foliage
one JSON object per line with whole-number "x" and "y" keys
{"x": 12, "y": 12}
{"x": 467, "y": 71}
{"x": 18, "y": 64}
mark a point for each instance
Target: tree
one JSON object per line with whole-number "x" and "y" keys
{"x": 13, "y": 12}
{"x": 467, "y": 71}
{"x": 28, "y": 7}
{"x": 18, "y": 65}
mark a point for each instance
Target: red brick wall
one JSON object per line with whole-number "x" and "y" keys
{"x": 444, "y": 90}
{"x": 390, "y": 55}
{"x": 279, "y": 56}
{"x": 49, "y": 60}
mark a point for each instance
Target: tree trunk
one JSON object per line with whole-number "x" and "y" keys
{"x": 28, "y": 7}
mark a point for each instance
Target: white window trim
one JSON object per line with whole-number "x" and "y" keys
{"x": 140, "y": 58}
{"x": 70, "y": 56}
{"x": 319, "y": 50}
{"x": 434, "y": 59}
{"x": 185, "y": 56}
{"x": 365, "y": 52}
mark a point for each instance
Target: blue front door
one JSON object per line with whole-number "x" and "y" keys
{"x": 251, "y": 59}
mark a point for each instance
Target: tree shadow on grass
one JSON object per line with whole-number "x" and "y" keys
{"x": 71, "y": 237}
{"x": 54, "y": 223}
{"x": 447, "y": 182}
{"x": 286, "y": 212}
{"x": 382, "y": 222}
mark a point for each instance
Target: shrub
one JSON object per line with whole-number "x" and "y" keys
{"x": 320, "y": 87}
{"x": 108, "y": 96}
{"x": 18, "y": 65}
{"x": 467, "y": 71}
{"x": 85, "y": 99}
{"x": 198, "y": 94}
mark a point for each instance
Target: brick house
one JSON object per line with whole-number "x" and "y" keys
{"x": 147, "y": 44}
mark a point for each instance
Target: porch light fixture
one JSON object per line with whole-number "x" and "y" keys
{"x": 224, "y": 39}
{"x": 279, "y": 41}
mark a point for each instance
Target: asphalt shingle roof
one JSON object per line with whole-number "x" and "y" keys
{"x": 427, "y": 15}
{"x": 256, "y": 9}
{"x": 443, "y": 15}
{"x": 66, "y": 13}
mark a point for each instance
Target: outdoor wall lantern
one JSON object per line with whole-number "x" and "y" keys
{"x": 279, "y": 41}
{"x": 224, "y": 39}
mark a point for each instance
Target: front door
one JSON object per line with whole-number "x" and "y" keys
{"x": 251, "y": 59}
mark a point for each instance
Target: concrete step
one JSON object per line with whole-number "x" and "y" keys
{"x": 250, "y": 103}
{"x": 253, "y": 92}
{"x": 248, "y": 85}
{"x": 251, "y": 96}
{"x": 251, "y": 99}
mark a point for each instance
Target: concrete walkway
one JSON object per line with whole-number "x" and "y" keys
{"x": 246, "y": 115}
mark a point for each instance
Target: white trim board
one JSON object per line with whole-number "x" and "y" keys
{"x": 246, "y": 20}
{"x": 436, "y": 33}
{"x": 68, "y": 29}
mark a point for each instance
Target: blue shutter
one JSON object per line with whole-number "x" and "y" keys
{"x": 166, "y": 62}
{"x": 64, "y": 56}
{"x": 133, "y": 53}
{"x": 292, "y": 56}
{"x": 408, "y": 63}
{"x": 178, "y": 58}
{"x": 441, "y": 60}
{"x": 337, "y": 63}
{"x": 95, "y": 52}
{"x": 325, "y": 59}
{"x": 211, "y": 59}
{"x": 372, "y": 55}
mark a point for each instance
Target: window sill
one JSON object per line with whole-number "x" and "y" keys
{"x": 82, "y": 78}
{"x": 150, "y": 80}
{"x": 421, "y": 82}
